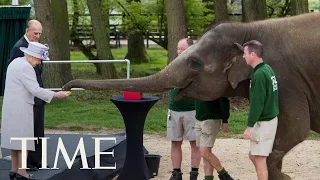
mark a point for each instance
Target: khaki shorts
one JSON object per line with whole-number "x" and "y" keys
{"x": 179, "y": 124}
{"x": 262, "y": 137}
{"x": 206, "y": 132}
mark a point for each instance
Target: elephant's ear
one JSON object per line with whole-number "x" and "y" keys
{"x": 239, "y": 47}
{"x": 237, "y": 70}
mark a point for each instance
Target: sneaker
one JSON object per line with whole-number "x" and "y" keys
{"x": 225, "y": 176}
{"x": 194, "y": 175}
{"x": 176, "y": 175}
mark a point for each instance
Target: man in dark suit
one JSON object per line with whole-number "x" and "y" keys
{"x": 33, "y": 33}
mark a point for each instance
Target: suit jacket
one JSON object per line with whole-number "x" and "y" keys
{"x": 16, "y": 52}
{"x": 18, "y": 101}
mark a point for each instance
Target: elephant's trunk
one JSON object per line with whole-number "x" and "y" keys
{"x": 162, "y": 81}
{"x": 145, "y": 84}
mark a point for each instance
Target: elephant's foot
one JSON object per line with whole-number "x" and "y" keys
{"x": 279, "y": 176}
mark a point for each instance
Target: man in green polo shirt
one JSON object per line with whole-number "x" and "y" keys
{"x": 264, "y": 108}
{"x": 181, "y": 122}
{"x": 211, "y": 116}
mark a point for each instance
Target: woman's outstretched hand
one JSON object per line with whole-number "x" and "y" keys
{"x": 61, "y": 94}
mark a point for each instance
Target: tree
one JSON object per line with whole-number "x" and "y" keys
{"x": 78, "y": 8}
{"x": 220, "y": 11}
{"x": 136, "y": 50}
{"x": 278, "y": 8}
{"x": 100, "y": 27}
{"x": 254, "y": 10}
{"x": 54, "y": 18}
{"x": 177, "y": 25}
{"x": 281, "y": 8}
{"x": 198, "y": 16}
{"x": 299, "y": 7}
{"x": 209, "y": 4}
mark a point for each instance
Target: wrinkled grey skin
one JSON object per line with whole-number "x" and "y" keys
{"x": 214, "y": 67}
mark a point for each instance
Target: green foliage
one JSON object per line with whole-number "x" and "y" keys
{"x": 198, "y": 16}
{"x": 278, "y": 8}
{"x": 138, "y": 16}
{"x": 82, "y": 6}
{"x": 5, "y": 2}
{"x": 314, "y": 5}
{"x": 281, "y": 8}
{"x": 146, "y": 16}
{"x": 8, "y": 2}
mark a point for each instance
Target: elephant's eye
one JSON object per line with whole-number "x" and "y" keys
{"x": 195, "y": 64}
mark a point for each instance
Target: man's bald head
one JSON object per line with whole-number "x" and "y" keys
{"x": 183, "y": 44}
{"x": 34, "y": 30}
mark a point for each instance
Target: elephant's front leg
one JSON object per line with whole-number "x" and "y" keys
{"x": 274, "y": 162}
{"x": 293, "y": 128}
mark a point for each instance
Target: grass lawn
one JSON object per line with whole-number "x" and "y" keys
{"x": 90, "y": 111}
{"x": 157, "y": 56}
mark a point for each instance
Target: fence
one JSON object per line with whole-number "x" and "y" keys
{"x": 88, "y": 61}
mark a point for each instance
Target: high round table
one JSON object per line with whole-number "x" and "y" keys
{"x": 134, "y": 113}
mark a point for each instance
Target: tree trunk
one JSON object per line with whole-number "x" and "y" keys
{"x": 220, "y": 11}
{"x": 136, "y": 50}
{"x": 299, "y": 7}
{"x": 86, "y": 50}
{"x": 53, "y": 16}
{"x": 177, "y": 25}
{"x": 100, "y": 26}
{"x": 254, "y": 10}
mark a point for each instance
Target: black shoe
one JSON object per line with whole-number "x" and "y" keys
{"x": 19, "y": 177}
{"x": 225, "y": 176}
{"x": 194, "y": 175}
{"x": 12, "y": 175}
{"x": 176, "y": 175}
{"x": 32, "y": 167}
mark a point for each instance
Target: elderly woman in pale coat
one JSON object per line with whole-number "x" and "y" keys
{"x": 17, "y": 110}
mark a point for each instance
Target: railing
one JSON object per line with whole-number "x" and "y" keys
{"x": 88, "y": 61}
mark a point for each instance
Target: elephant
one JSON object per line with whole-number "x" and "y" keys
{"x": 214, "y": 67}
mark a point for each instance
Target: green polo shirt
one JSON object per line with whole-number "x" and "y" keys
{"x": 264, "y": 104}
{"x": 217, "y": 109}
{"x": 180, "y": 105}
